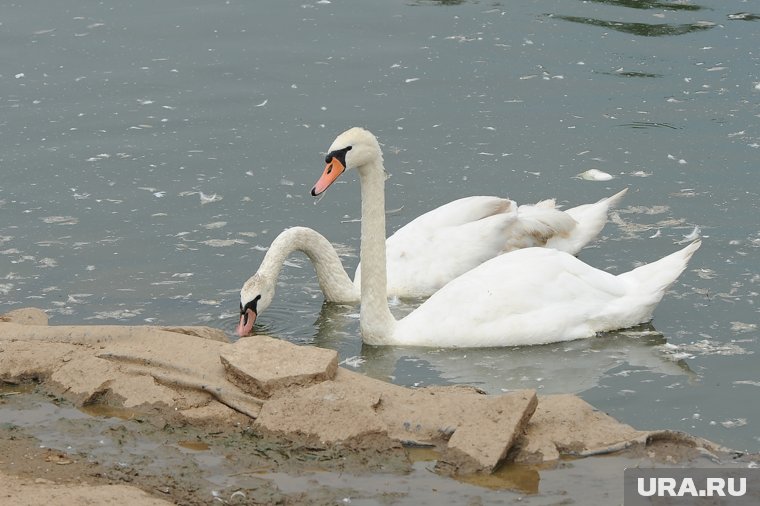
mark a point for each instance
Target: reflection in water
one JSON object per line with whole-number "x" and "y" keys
{"x": 628, "y": 73}
{"x": 437, "y": 2}
{"x": 633, "y": 4}
{"x": 643, "y": 29}
{"x": 744, "y": 16}
{"x": 522, "y": 478}
{"x": 567, "y": 367}
{"x": 648, "y": 124}
{"x": 648, "y": 4}
{"x": 98, "y": 409}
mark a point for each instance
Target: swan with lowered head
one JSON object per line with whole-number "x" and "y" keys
{"x": 432, "y": 249}
{"x": 527, "y": 296}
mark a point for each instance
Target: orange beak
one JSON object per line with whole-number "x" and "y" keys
{"x": 333, "y": 169}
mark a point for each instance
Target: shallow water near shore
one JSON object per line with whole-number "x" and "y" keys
{"x": 236, "y": 466}
{"x": 153, "y": 151}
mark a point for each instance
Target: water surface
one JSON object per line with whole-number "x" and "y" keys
{"x": 152, "y": 151}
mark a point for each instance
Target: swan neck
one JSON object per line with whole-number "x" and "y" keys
{"x": 377, "y": 322}
{"x": 333, "y": 280}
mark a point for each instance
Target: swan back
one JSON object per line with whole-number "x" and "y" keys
{"x": 536, "y": 296}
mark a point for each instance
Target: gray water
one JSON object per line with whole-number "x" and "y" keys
{"x": 151, "y": 151}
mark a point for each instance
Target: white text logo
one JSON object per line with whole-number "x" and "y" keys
{"x": 713, "y": 487}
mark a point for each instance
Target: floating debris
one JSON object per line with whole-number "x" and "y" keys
{"x": 207, "y": 199}
{"x": 119, "y": 314}
{"x": 704, "y": 347}
{"x": 743, "y": 327}
{"x": 47, "y": 262}
{"x": 60, "y": 220}
{"x": 595, "y": 175}
{"x": 221, "y": 243}
{"x": 705, "y": 273}
{"x": 736, "y": 422}
{"x": 694, "y": 234}
{"x": 354, "y": 361}
{"x": 747, "y": 382}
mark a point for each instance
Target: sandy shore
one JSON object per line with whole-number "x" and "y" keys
{"x": 193, "y": 377}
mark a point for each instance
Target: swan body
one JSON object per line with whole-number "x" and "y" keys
{"x": 527, "y": 296}
{"x": 432, "y": 249}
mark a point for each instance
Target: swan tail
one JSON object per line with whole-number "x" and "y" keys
{"x": 654, "y": 278}
{"x": 590, "y": 219}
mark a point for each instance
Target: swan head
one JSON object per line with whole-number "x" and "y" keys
{"x": 354, "y": 148}
{"x": 255, "y": 296}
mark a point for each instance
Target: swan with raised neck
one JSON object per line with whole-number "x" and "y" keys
{"x": 528, "y": 296}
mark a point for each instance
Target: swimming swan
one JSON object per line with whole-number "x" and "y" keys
{"x": 432, "y": 249}
{"x": 527, "y": 296}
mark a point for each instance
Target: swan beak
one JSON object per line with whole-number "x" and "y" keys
{"x": 247, "y": 319}
{"x": 333, "y": 169}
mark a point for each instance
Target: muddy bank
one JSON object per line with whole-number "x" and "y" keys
{"x": 193, "y": 379}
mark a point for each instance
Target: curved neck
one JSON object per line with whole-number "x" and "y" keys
{"x": 377, "y": 322}
{"x": 333, "y": 280}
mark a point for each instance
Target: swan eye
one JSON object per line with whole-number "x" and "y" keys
{"x": 250, "y": 305}
{"x": 340, "y": 154}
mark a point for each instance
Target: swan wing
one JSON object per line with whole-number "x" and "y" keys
{"x": 444, "y": 243}
{"x": 459, "y": 212}
{"x": 419, "y": 264}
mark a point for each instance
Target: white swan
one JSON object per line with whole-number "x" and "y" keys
{"x": 527, "y": 296}
{"x": 432, "y": 249}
